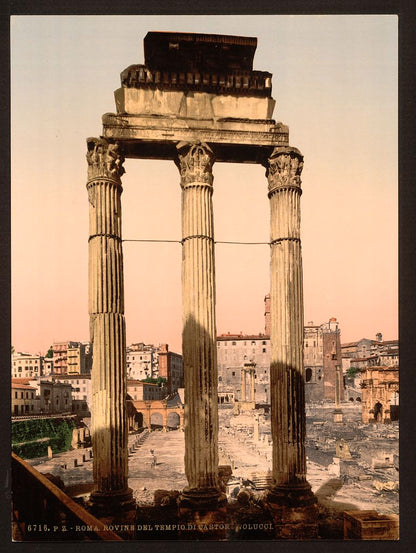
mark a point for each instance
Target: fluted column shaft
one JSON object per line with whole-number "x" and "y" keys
{"x": 243, "y": 384}
{"x": 252, "y": 385}
{"x": 199, "y": 329}
{"x": 107, "y": 324}
{"x": 286, "y": 337}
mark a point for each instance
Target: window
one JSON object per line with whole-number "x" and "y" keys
{"x": 15, "y": 395}
{"x": 218, "y": 344}
{"x": 220, "y": 379}
{"x": 21, "y": 395}
{"x": 233, "y": 343}
{"x": 264, "y": 350}
{"x": 233, "y": 373}
{"x": 263, "y": 343}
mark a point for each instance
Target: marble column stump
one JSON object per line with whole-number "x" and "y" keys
{"x": 111, "y": 495}
{"x": 290, "y": 500}
{"x": 202, "y": 500}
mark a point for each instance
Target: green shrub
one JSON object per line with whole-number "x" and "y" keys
{"x": 26, "y": 435}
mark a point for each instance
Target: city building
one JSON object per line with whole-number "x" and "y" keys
{"x": 81, "y": 392}
{"x": 23, "y": 398}
{"x": 55, "y": 397}
{"x": 142, "y": 361}
{"x": 78, "y": 359}
{"x": 26, "y": 365}
{"x": 171, "y": 368}
{"x": 60, "y": 356}
{"x": 47, "y": 366}
{"x": 145, "y": 391}
{"x": 322, "y": 354}
{"x": 367, "y": 348}
{"x": 380, "y": 394}
{"x": 235, "y": 350}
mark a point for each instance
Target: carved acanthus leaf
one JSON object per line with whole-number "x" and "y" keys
{"x": 195, "y": 163}
{"x": 284, "y": 167}
{"x": 104, "y": 159}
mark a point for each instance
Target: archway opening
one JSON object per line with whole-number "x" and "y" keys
{"x": 156, "y": 421}
{"x": 173, "y": 421}
{"x": 378, "y": 412}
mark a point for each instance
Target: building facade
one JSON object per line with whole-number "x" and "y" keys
{"x": 81, "y": 392}
{"x": 23, "y": 399}
{"x": 235, "y": 350}
{"x": 145, "y": 391}
{"x": 322, "y": 354}
{"x": 26, "y": 365}
{"x": 55, "y": 397}
{"x": 142, "y": 361}
{"x": 60, "y": 356}
{"x": 380, "y": 394}
{"x": 171, "y": 368}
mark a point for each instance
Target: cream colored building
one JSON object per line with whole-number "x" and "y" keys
{"x": 26, "y": 365}
{"x": 24, "y": 400}
{"x": 145, "y": 391}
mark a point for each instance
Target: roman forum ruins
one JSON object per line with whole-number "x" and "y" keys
{"x": 197, "y": 101}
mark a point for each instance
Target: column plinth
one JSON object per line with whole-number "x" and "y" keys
{"x": 290, "y": 500}
{"x": 107, "y": 330}
{"x": 199, "y": 331}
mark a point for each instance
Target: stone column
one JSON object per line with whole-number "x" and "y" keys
{"x": 252, "y": 386}
{"x": 243, "y": 384}
{"x": 338, "y": 384}
{"x": 107, "y": 328}
{"x": 199, "y": 329}
{"x": 291, "y": 500}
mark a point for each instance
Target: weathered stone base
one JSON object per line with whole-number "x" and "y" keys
{"x": 112, "y": 505}
{"x": 204, "y": 513}
{"x": 294, "y": 512}
{"x": 369, "y": 525}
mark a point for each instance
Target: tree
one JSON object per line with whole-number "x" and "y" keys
{"x": 49, "y": 354}
{"x": 352, "y": 371}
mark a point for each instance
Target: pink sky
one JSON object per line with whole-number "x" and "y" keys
{"x": 335, "y": 82}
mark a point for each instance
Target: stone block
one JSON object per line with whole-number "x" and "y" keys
{"x": 369, "y": 525}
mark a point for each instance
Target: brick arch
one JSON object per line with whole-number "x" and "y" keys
{"x": 149, "y": 408}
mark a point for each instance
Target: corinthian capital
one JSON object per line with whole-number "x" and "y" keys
{"x": 104, "y": 159}
{"x": 284, "y": 167}
{"x": 195, "y": 162}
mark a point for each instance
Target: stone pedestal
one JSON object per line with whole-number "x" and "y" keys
{"x": 199, "y": 333}
{"x": 107, "y": 329}
{"x": 290, "y": 500}
{"x": 369, "y": 525}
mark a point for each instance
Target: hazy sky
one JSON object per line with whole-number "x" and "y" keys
{"x": 335, "y": 82}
